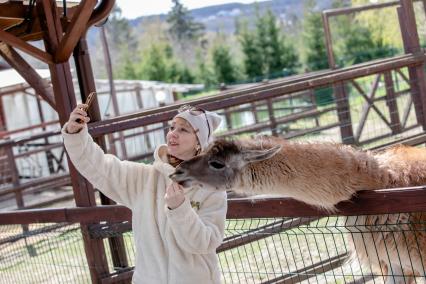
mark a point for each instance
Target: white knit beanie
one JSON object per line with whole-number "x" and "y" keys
{"x": 199, "y": 123}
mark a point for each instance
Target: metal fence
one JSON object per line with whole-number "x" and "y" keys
{"x": 255, "y": 250}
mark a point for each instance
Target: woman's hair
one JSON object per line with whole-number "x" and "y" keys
{"x": 173, "y": 160}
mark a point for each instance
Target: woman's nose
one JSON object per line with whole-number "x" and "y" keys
{"x": 174, "y": 133}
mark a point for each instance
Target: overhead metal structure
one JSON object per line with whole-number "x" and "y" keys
{"x": 62, "y": 27}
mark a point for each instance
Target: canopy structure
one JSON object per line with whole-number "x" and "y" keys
{"x": 62, "y": 27}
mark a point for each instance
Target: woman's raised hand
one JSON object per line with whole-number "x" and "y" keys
{"x": 174, "y": 196}
{"x": 78, "y": 118}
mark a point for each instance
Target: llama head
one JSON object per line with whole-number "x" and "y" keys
{"x": 219, "y": 167}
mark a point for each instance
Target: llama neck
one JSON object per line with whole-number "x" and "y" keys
{"x": 321, "y": 174}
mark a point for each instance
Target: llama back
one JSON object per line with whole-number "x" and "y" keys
{"x": 406, "y": 165}
{"x": 320, "y": 174}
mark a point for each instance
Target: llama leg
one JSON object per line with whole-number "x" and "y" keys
{"x": 396, "y": 275}
{"x": 384, "y": 269}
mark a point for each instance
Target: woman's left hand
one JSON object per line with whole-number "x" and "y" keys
{"x": 174, "y": 196}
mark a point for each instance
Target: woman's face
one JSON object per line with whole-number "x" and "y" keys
{"x": 181, "y": 139}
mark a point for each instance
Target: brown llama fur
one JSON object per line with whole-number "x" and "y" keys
{"x": 323, "y": 174}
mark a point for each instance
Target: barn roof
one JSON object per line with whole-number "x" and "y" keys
{"x": 11, "y": 78}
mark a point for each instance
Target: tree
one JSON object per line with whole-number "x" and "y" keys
{"x": 223, "y": 67}
{"x": 159, "y": 64}
{"x": 360, "y": 46}
{"x": 127, "y": 70}
{"x": 205, "y": 74}
{"x": 252, "y": 54}
{"x": 185, "y": 33}
{"x": 314, "y": 40}
{"x": 265, "y": 49}
{"x": 182, "y": 25}
{"x": 122, "y": 44}
{"x": 387, "y": 29}
{"x": 154, "y": 66}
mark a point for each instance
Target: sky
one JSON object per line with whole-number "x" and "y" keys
{"x": 132, "y": 9}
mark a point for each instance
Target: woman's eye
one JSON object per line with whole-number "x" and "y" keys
{"x": 184, "y": 130}
{"x": 216, "y": 165}
{"x": 172, "y": 128}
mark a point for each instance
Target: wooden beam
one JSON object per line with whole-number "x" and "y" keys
{"x": 101, "y": 12}
{"x": 356, "y": 9}
{"x": 19, "y": 10}
{"x": 74, "y": 31}
{"x": 28, "y": 73}
{"x": 14, "y": 10}
{"x": 25, "y": 47}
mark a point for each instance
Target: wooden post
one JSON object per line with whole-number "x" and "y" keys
{"x": 65, "y": 101}
{"x": 48, "y": 153}
{"x": 314, "y": 104}
{"x": 272, "y": 118}
{"x": 391, "y": 103}
{"x": 2, "y": 118}
{"x": 228, "y": 118}
{"x": 342, "y": 101}
{"x": 14, "y": 175}
{"x": 18, "y": 192}
{"x": 87, "y": 85}
{"x": 139, "y": 101}
{"x": 410, "y": 37}
{"x": 344, "y": 114}
{"x": 328, "y": 41}
{"x": 254, "y": 111}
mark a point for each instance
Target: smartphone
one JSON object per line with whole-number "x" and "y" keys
{"x": 90, "y": 98}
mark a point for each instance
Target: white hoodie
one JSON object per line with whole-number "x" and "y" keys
{"x": 172, "y": 246}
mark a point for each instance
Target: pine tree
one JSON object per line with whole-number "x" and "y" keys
{"x": 205, "y": 74}
{"x": 224, "y": 70}
{"x": 122, "y": 45}
{"x": 271, "y": 43}
{"x": 128, "y": 70}
{"x": 119, "y": 28}
{"x": 361, "y": 47}
{"x": 182, "y": 25}
{"x": 154, "y": 66}
{"x": 265, "y": 49}
{"x": 314, "y": 40}
{"x": 252, "y": 54}
{"x": 160, "y": 65}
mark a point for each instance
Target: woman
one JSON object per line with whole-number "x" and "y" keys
{"x": 176, "y": 230}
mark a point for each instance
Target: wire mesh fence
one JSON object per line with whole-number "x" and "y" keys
{"x": 327, "y": 250}
{"x": 52, "y": 253}
{"x": 255, "y": 250}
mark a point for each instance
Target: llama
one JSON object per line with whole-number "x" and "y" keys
{"x": 322, "y": 175}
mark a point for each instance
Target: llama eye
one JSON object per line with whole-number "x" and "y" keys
{"x": 216, "y": 165}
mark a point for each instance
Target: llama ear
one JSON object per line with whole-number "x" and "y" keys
{"x": 250, "y": 156}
